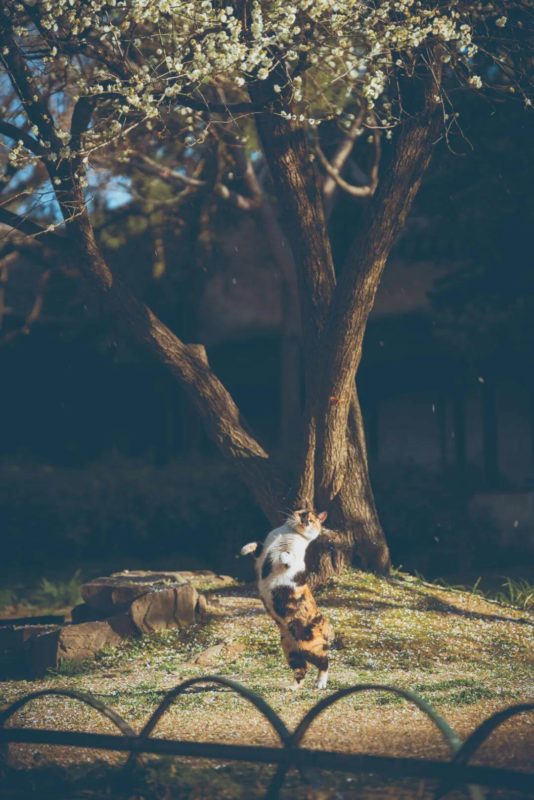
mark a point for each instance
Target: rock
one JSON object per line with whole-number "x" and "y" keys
{"x": 165, "y": 608}
{"x": 13, "y": 637}
{"x": 15, "y": 643}
{"x": 78, "y": 642}
{"x": 119, "y": 590}
{"x": 213, "y": 655}
{"x": 202, "y": 608}
{"x": 109, "y": 594}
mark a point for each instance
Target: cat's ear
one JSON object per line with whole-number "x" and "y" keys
{"x": 322, "y": 516}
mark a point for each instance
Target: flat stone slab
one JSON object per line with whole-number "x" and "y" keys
{"x": 117, "y": 591}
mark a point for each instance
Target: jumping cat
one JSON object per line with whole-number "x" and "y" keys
{"x": 281, "y": 572}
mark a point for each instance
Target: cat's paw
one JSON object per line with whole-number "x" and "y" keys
{"x": 322, "y": 680}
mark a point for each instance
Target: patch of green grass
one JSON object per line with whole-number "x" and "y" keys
{"x": 73, "y": 668}
{"x": 514, "y": 592}
{"x": 518, "y": 593}
{"x": 468, "y": 696}
{"x": 458, "y": 692}
{"x": 7, "y": 598}
{"x": 58, "y": 594}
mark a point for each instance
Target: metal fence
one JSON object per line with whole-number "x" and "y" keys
{"x": 290, "y": 753}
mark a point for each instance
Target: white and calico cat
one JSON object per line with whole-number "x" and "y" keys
{"x": 281, "y": 573}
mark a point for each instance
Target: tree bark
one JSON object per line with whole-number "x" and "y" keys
{"x": 353, "y": 515}
{"x": 333, "y": 470}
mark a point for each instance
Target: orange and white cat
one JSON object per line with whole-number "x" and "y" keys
{"x": 281, "y": 572}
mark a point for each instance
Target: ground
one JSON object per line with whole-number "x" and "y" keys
{"x": 466, "y": 655}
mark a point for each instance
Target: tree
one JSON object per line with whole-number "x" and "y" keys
{"x": 99, "y": 76}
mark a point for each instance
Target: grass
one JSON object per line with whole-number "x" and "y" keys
{"x": 45, "y": 595}
{"x": 465, "y": 655}
{"x": 58, "y": 594}
{"x": 514, "y": 592}
{"x": 518, "y": 593}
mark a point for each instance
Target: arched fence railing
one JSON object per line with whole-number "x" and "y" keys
{"x": 290, "y": 753}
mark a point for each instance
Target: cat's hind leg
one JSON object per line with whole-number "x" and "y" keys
{"x": 294, "y": 657}
{"x": 315, "y": 652}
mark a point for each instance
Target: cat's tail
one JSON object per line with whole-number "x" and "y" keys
{"x": 251, "y": 549}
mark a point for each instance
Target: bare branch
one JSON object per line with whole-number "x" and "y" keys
{"x": 341, "y": 155}
{"x": 30, "y": 228}
{"x": 223, "y": 191}
{"x": 237, "y": 199}
{"x": 18, "y": 134}
{"x": 334, "y": 171}
{"x": 166, "y": 173}
{"x": 24, "y": 84}
{"x": 25, "y": 186}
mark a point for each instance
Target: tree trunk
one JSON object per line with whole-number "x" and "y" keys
{"x": 357, "y": 535}
{"x": 333, "y": 470}
{"x": 353, "y": 512}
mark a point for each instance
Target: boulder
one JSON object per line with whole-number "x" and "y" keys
{"x": 211, "y": 656}
{"x": 78, "y": 642}
{"x": 120, "y": 589}
{"x": 166, "y": 608}
{"x": 117, "y": 591}
{"x": 202, "y": 608}
{"x": 15, "y": 643}
{"x": 14, "y": 637}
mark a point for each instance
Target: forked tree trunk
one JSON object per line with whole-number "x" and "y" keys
{"x": 333, "y": 470}
{"x": 353, "y": 517}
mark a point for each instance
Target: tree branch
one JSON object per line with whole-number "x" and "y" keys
{"x": 349, "y": 188}
{"x": 31, "y": 228}
{"x": 224, "y": 192}
{"x": 341, "y": 155}
{"x": 24, "y": 84}
{"x": 335, "y": 167}
{"x": 355, "y": 293}
{"x": 17, "y": 134}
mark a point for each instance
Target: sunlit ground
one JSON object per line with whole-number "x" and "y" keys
{"x": 464, "y": 654}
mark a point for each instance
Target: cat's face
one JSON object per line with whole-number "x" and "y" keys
{"x": 307, "y": 523}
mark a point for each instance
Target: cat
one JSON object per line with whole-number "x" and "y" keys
{"x": 281, "y": 572}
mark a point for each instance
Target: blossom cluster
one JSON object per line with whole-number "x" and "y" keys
{"x": 143, "y": 58}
